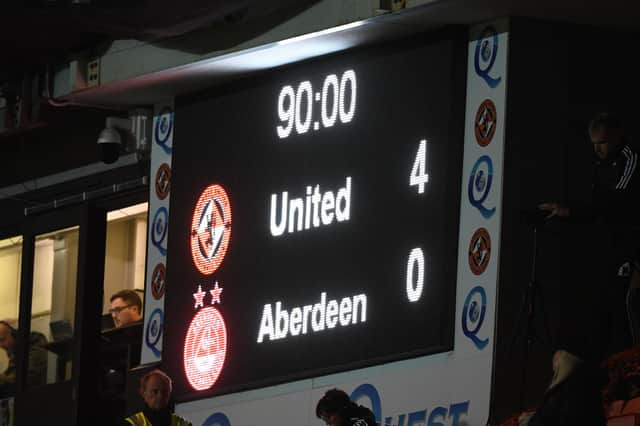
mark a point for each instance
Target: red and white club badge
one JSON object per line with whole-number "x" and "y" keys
{"x": 485, "y": 123}
{"x": 205, "y": 348}
{"x": 479, "y": 251}
{"x": 163, "y": 181}
{"x": 210, "y": 229}
{"x": 158, "y": 281}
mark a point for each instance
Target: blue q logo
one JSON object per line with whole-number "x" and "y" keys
{"x": 154, "y": 332}
{"x": 480, "y": 185}
{"x": 452, "y": 412}
{"x": 159, "y": 228}
{"x": 473, "y": 312}
{"x": 162, "y": 129}
{"x": 485, "y": 57}
{"x": 217, "y": 419}
{"x": 366, "y": 390}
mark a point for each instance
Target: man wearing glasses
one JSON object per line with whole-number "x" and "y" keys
{"x": 126, "y": 308}
{"x": 120, "y": 351}
{"x": 616, "y": 204}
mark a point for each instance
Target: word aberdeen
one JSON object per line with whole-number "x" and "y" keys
{"x": 311, "y": 318}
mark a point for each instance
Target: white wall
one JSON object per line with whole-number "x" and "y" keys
{"x": 10, "y": 264}
{"x": 124, "y": 256}
{"x": 42, "y": 277}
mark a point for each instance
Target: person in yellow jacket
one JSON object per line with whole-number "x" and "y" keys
{"x": 155, "y": 388}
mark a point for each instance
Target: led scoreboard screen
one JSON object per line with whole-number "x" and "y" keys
{"x": 314, "y": 218}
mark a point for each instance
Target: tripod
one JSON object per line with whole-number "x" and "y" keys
{"x": 531, "y": 299}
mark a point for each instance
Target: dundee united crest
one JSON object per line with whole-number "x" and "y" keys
{"x": 479, "y": 251}
{"x": 485, "y": 123}
{"x": 210, "y": 229}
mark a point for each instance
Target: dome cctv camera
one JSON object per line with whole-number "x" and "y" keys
{"x": 109, "y": 143}
{"x": 125, "y": 136}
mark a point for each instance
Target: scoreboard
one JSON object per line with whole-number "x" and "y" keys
{"x": 314, "y": 217}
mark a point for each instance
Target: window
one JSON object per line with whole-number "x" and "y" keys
{"x": 53, "y": 306}
{"x": 125, "y": 253}
{"x": 10, "y": 264}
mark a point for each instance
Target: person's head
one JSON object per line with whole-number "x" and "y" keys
{"x": 8, "y": 336}
{"x": 155, "y": 388}
{"x": 126, "y": 307}
{"x": 331, "y": 405}
{"x": 564, "y": 363}
{"x": 605, "y": 132}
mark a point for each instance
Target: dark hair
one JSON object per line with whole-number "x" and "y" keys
{"x": 12, "y": 329}
{"x": 332, "y": 402}
{"x": 161, "y": 374}
{"x": 130, "y": 297}
{"x": 604, "y": 121}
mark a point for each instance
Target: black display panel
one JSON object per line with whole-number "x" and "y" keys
{"x": 314, "y": 218}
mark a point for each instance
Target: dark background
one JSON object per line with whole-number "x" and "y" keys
{"x": 560, "y": 75}
{"x": 406, "y": 92}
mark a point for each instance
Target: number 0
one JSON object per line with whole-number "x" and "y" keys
{"x": 415, "y": 286}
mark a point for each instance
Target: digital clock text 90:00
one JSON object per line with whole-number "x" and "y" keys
{"x": 337, "y": 104}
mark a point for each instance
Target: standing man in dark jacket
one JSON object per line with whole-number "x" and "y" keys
{"x": 616, "y": 205}
{"x": 335, "y": 408}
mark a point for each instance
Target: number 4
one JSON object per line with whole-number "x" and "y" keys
{"x": 418, "y": 174}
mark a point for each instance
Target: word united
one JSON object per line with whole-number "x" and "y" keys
{"x": 314, "y": 210}
{"x": 280, "y": 323}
